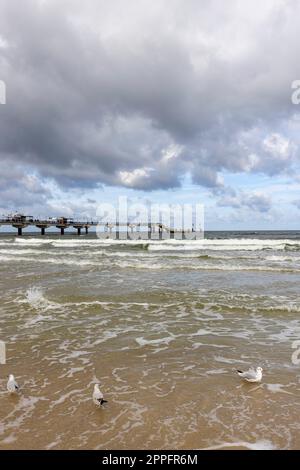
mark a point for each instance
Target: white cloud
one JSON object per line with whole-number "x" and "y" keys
{"x": 279, "y": 146}
{"x": 135, "y": 177}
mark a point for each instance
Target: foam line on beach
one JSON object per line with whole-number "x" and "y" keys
{"x": 263, "y": 444}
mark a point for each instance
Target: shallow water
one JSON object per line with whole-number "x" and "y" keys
{"x": 162, "y": 326}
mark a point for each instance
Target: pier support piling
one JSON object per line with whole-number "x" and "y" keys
{"x": 78, "y": 231}
{"x": 62, "y": 231}
{"x": 149, "y": 231}
{"x": 43, "y": 228}
{"x": 19, "y": 227}
{"x": 86, "y": 230}
{"x": 160, "y": 230}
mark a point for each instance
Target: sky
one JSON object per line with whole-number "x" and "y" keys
{"x": 166, "y": 101}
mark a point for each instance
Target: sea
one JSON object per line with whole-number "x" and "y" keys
{"x": 162, "y": 326}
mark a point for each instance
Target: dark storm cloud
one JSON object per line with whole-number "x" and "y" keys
{"x": 138, "y": 94}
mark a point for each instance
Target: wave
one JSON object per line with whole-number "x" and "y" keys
{"x": 147, "y": 264}
{"x": 146, "y": 255}
{"x": 35, "y": 297}
{"x": 32, "y": 241}
{"x": 201, "y": 267}
{"x": 225, "y": 245}
{"x": 54, "y": 260}
{"x": 232, "y": 244}
{"x": 24, "y": 251}
{"x": 80, "y": 242}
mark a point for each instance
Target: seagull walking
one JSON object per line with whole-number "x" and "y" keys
{"x": 12, "y": 385}
{"x": 251, "y": 375}
{"x": 98, "y": 398}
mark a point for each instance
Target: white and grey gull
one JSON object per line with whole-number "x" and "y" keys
{"x": 12, "y": 386}
{"x": 98, "y": 397}
{"x": 251, "y": 375}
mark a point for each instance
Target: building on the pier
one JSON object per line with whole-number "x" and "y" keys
{"x": 21, "y": 218}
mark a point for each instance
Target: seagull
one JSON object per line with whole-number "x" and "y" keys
{"x": 12, "y": 385}
{"x": 98, "y": 396}
{"x": 251, "y": 375}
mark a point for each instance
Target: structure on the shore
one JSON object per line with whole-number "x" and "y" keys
{"x": 117, "y": 230}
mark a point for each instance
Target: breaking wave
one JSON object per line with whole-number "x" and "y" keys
{"x": 232, "y": 244}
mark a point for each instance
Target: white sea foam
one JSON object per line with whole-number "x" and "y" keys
{"x": 77, "y": 242}
{"x": 35, "y": 297}
{"x": 25, "y": 251}
{"x": 22, "y": 411}
{"x": 144, "y": 264}
{"x": 262, "y": 444}
{"x": 280, "y": 258}
{"x": 232, "y": 244}
{"x": 122, "y": 304}
{"x": 32, "y": 241}
{"x": 277, "y": 388}
{"x": 53, "y": 260}
{"x": 149, "y": 342}
{"x": 223, "y": 245}
{"x": 202, "y": 267}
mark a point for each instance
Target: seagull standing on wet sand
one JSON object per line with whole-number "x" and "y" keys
{"x": 251, "y": 375}
{"x": 12, "y": 385}
{"x": 98, "y": 398}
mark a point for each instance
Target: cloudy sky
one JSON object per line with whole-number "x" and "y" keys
{"x": 165, "y": 100}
